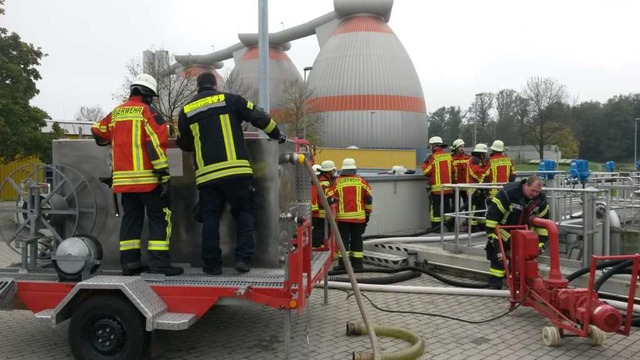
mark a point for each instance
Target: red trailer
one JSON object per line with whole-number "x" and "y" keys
{"x": 112, "y": 316}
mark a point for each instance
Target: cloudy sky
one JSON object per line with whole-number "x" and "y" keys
{"x": 459, "y": 47}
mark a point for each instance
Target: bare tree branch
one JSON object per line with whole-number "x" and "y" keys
{"x": 90, "y": 113}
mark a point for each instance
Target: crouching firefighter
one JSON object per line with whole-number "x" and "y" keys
{"x": 514, "y": 204}
{"x": 140, "y": 172}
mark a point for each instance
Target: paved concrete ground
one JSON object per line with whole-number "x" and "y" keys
{"x": 256, "y": 332}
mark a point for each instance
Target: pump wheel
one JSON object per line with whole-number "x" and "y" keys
{"x": 596, "y": 336}
{"x": 108, "y": 328}
{"x": 551, "y": 336}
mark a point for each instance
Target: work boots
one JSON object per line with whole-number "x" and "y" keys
{"x": 166, "y": 270}
{"x": 340, "y": 265}
{"x": 241, "y": 266}
{"x": 495, "y": 283}
{"x": 357, "y": 263}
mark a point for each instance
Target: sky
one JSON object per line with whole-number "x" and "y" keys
{"x": 458, "y": 47}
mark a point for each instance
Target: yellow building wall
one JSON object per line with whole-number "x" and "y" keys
{"x": 368, "y": 158}
{"x": 7, "y": 190}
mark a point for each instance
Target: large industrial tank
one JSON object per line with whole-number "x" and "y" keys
{"x": 366, "y": 87}
{"x": 281, "y": 71}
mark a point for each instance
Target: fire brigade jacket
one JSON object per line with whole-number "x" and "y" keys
{"x": 355, "y": 200}
{"x": 210, "y": 125}
{"x": 477, "y": 170}
{"x": 316, "y": 206}
{"x": 438, "y": 168}
{"x": 459, "y": 162}
{"x": 138, "y": 137}
{"x": 501, "y": 169}
{"x": 510, "y": 207}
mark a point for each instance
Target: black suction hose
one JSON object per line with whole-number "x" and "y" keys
{"x": 382, "y": 280}
{"x": 599, "y": 266}
{"x": 382, "y": 236}
{"x": 613, "y": 271}
{"x": 424, "y": 271}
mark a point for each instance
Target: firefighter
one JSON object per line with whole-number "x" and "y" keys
{"x": 355, "y": 203}
{"x": 210, "y": 125}
{"x": 140, "y": 172}
{"x": 326, "y": 177}
{"x": 438, "y": 168}
{"x": 501, "y": 167}
{"x": 459, "y": 171}
{"x": 477, "y": 172}
{"x": 514, "y": 204}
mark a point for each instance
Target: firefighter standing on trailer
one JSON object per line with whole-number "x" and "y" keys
{"x": 138, "y": 137}
{"x": 355, "y": 203}
{"x": 459, "y": 172}
{"x": 438, "y": 168}
{"x": 210, "y": 125}
{"x": 477, "y": 172}
{"x": 501, "y": 167}
{"x": 326, "y": 177}
{"x": 514, "y": 204}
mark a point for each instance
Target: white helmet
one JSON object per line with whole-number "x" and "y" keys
{"x": 147, "y": 81}
{"x": 497, "y": 146}
{"x": 348, "y": 164}
{"x": 435, "y": 140}
{"x": 480, "y": 148}
{"x": 328, "y": 165}
{"x": 316, "y": 169}
{"x": 457, "y": 143}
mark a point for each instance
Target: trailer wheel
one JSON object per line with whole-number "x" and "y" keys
{"x": 596, "y": 336}
{"x": 108, "y": 328}
{"x": 551, "y": 336}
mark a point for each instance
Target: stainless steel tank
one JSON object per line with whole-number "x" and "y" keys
{"x": 282, "y": 192}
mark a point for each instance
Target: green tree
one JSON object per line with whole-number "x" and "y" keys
{"x": 507, "y": 107}
{"x": 20, "y": 123}
{"x": 481, "y": 117}
{"x": 437, "y": 122}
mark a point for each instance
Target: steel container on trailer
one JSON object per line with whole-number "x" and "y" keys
{"x": 282, "y": 192}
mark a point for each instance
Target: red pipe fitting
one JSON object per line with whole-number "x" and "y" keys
{"x": 555, "y": 276}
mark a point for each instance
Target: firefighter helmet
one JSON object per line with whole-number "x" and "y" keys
{"x": 498, "y": 146}
{"x": 457, "y": 143}
{"x": 348, "y": 164}
{"x": 146, "y": 84}
{"x": 435, "y": 140}
{"x": 316, "y": 169}
{"x": 480, "y": 148}
{"x": 327, "y": 165}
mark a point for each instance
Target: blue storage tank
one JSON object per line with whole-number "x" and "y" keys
{"x": 547, "y": 165}
{"x": 638, "y": 165}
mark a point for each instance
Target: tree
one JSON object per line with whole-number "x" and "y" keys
{"x": 507, "y": 107}
{"x": 90, "y": 113}
{"x": 481, "y": 117}
{"x": 542, "y": 93}
{"x": 20, "y": 123}
{"x": 175, "y": 86}
{"x": 522, "y": 113}
{"x": 437, "y": 122}
{"x": 297, "y": 111}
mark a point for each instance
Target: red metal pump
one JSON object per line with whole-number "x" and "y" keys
{"x": 577, "y": 310}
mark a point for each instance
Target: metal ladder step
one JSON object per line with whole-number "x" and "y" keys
{"x": 385, "y": 259}
{"x": 174, "y": 321}
{"x": 8, "y": 289}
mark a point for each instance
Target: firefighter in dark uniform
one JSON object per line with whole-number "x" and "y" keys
{"x": 138, "y": 136}
{"x": 210, "y": 125}
{"x": 514, "y": 204}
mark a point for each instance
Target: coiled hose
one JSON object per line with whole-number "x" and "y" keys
{"x": 412, "y": 352}
{"x": 431, "y": 273}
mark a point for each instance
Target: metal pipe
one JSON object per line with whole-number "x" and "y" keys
{"x": 345, "y": 256}
{"x": 419, "y": 239}
{"x": 555, "y": 275}
{"x": 432, "y": 290}
{"x": 263, "y": 54}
